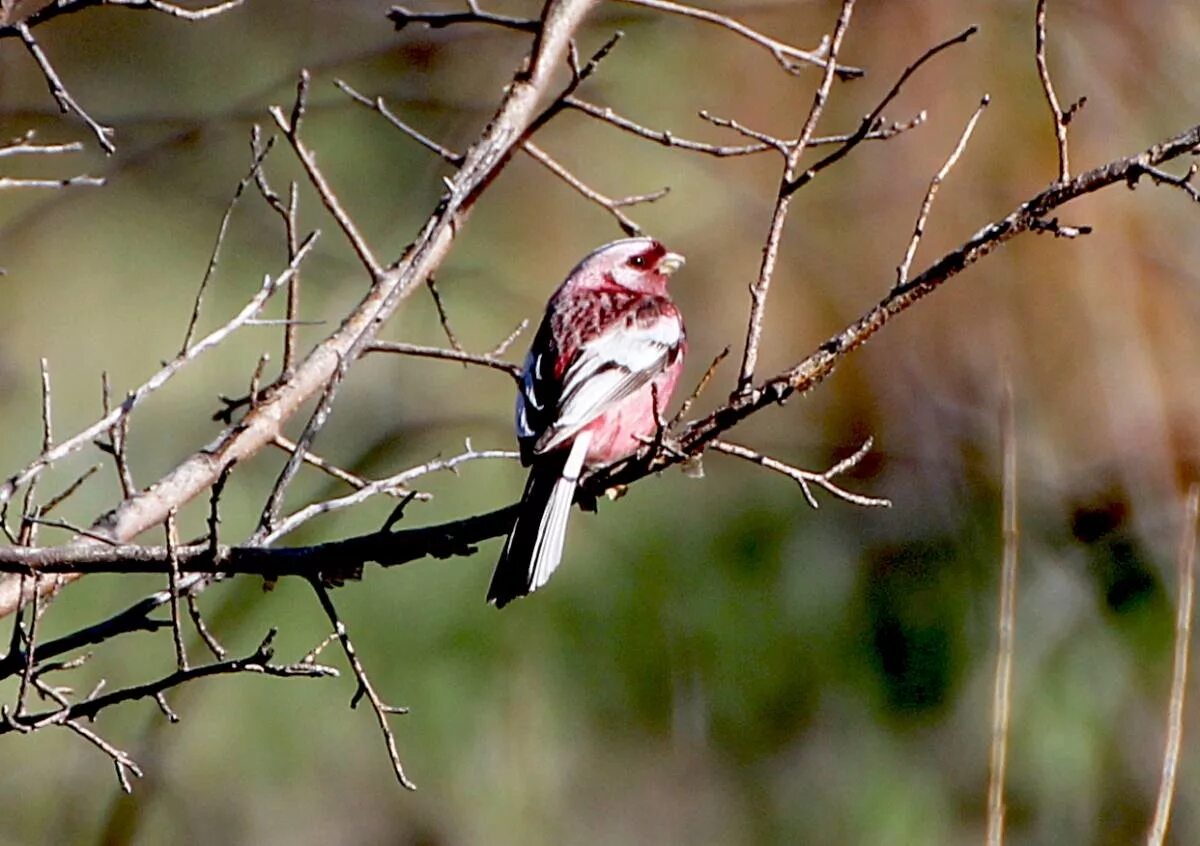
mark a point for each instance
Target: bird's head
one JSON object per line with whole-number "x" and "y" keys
{"x": 636, "y": 264}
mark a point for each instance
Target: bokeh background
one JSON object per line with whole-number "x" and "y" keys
{"x": 715, "y": 663}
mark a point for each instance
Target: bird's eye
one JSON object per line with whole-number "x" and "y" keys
{"x": 638, "y": 261}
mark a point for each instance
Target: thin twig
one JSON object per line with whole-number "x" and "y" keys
{"x": 1186, "y": 566}
{"x": 118, "y": 436}
{"x": 402, "y": 17}
{"x": 807, "y": 478}
{"x": 686, "y": 406}
{"x": 443, "y": 317}
{"x": 172, "y": 531}
{"x": 177, "y": 11}
{"x": 258, "y": 662}
{"x": 24, "y": 145}
{"x": 321, "y": 464}
{"x": 874, "y": 118}
{"x": 502, "y": 347}
{"x": 770, "y": 253}
{"x": 69, "y": 182}
{"x": 1001, "y": 690}
{"x": 66, "y": 103}
{"x": 222, "y": 228}
{"x": 935, "y": 183}
{"x": 878, "y": 131}
{"x": 486, "y": 360}
{"x": 378, "y": 105}
{"x": 1161, "y": 177}
{"x": 320, "y": 415}
{"x": 392, "y": 484}
{"x": 1059, "y": 118}
{"x": 290, "y": 126}
{"x": 365, "y": 688}
{"x": 160, "y": 378}
{"x": 610, "y": 205}
{"x": 791, "y": 59}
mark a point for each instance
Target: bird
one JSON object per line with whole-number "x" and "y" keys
{"x": 599, "y": 372}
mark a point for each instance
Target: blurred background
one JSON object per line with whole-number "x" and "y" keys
{"x": 715, "y": 663}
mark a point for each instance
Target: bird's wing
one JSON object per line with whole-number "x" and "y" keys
{"x": 610, "y": 367}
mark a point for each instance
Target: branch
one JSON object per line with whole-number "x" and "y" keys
{"x": 791, "y": 59}
{"x": 486, "y": 158}
{"x": 258, "y": 662}
{"x": 1061, "y": 118}
{"x": 66, "y": 103}
{"x": 402, "y": 17}
{"x": 762, "y": 285}
{"x": 934, "y": 184}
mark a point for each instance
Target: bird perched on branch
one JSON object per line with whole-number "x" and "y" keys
{"x": 598, "y": 375}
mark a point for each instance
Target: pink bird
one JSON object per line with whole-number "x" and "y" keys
{"x": 609, "y": 349}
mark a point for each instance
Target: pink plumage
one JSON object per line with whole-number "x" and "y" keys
{"x": 610, "y": 346}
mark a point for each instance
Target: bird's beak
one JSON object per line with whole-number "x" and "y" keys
{"x": 671, "y": 262}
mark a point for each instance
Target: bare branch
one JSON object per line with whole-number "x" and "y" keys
{"x": 873, "y": 121}
{"x": 1186, "y": 566}
{"x": 402, "y": 17}
{"x": 378, "y": 105}
{"x": 397, "y": 483}
{"x": 180, "y": 12}
{"x": 443, "y": 317}
{"x": 686, "y": 405}
{"x": 1057, "y": 114}
{"x": 806, "y": 374}
{"x": 290, "y": 126}
{"x": 160, "y": 378}
{"x": 24, "y": 145}
{"x": 762, "y": 285}
{"x": 66, "y": 103}
{"x": 486, "y": 360}
{"x": 1161, "y": 177}
{"x": 807, "y": 478}
{"x": 321, "y": 464}
{"x": 879, "y": 131}
{"x": 791, "y": 59}
{"x": 258, "y": 662}
{"x": 365, "y": 688}
{"x": 222, "y": 228}
{"x": 934, "y": 184}
{"x": 181, "y": 661}
{"x": 7, "y": 182}
{"x": 502, "y": 347}
{"x": 613, "y": 207}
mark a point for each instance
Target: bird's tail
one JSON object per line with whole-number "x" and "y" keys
{"x": 535, "y": 544}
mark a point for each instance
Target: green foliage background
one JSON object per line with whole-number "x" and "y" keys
{"x": 715, "y": 663}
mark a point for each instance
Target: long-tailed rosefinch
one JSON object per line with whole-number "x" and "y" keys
{"x": 601, "y": 368}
